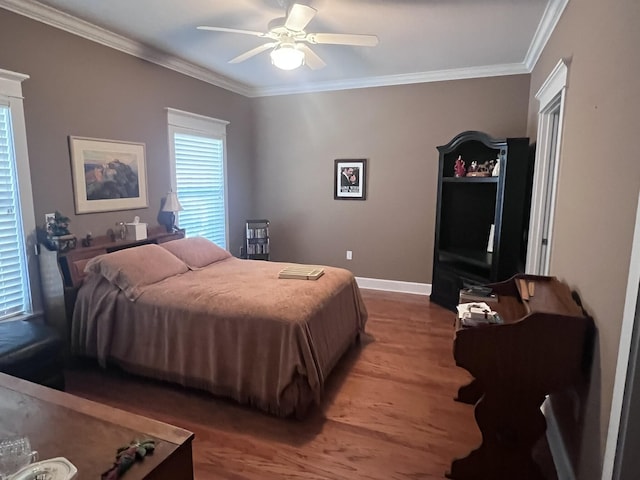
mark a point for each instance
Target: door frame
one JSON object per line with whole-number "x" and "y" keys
{"x": 547, "y": 161}
{"x": 628, "y": 356}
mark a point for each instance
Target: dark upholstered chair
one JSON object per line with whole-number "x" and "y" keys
{"x": 32, "y": 351}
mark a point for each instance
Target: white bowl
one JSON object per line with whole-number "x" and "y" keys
{"x": 58, "y": 468}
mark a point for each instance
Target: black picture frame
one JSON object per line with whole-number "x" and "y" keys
{"x": 350, "y": 179}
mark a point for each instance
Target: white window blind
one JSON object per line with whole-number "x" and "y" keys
{"x": 14, "y": 285}
{"x": 197, "y": 146}
{"x": 200, "y": 186}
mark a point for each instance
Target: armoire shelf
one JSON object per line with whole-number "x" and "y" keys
{"x": 468, "y": 206}
{"x": 471, "y": 179}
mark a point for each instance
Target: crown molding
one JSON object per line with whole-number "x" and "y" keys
{"x": 548, "y": 22}
{"x": 63, "y": 21}
{"x": 403, "y": 79}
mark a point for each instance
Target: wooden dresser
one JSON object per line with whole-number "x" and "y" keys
{"x": 61, "y": 273}
{"x": 88, "y": 434}
{"x": 543, "y": 346}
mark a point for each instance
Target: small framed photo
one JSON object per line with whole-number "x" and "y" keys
{"x": 108, "y": 175}
{"x": 350, "y": 179}
{"x": 49, "y": 222}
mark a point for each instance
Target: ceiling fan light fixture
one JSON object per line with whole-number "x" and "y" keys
{"x": 287, "y": 57}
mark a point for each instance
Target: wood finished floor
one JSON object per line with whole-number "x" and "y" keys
{"x": 388, "y": 412}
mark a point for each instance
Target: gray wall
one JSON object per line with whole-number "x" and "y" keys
{"x": 397, "y": 129}
{"x": 598, "y": 182}
{"x": 80, "y": 88}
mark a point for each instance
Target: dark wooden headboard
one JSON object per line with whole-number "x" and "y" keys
{"x": 72, "y": 263}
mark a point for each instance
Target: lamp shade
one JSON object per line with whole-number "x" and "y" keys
{"x": 172, "y": 204}
{"x": 287, "y": 57}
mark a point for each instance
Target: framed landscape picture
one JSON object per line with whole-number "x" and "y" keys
{"x": 108, "y": 175}
{"x": 350, "y": 179}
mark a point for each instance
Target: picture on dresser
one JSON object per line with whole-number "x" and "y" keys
{"x": 108, "y": 175}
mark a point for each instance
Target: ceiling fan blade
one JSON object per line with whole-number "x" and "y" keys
{"x": 311, "y": 58}
{"x": 343, "y": 39}
{"x": 253, "y": 52}
{"x": 299, "y": 17}
{"x": 233, "y": 30}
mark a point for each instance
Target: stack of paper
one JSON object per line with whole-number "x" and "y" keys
{"x": 477, "y": 313}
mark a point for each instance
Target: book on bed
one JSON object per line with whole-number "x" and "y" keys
{"x": 301, "y": 272}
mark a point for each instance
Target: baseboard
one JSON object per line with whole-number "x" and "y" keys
{"x": 556, "y": 444}
{"x": 394, "y": 286}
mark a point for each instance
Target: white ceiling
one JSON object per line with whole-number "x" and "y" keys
{"x": 419, "y": 40}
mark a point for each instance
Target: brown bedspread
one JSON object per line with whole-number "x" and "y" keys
{"x": 232, "y": 328}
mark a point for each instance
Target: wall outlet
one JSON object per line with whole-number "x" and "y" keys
{"x": 349, "y": 254}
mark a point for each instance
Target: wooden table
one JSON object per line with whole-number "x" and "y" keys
{"x": 89, "y": 433}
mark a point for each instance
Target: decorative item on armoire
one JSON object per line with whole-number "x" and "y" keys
{"x": 459, "y": 167}
{"x": 496, "y": 168}
{"x": 480, "y": 169}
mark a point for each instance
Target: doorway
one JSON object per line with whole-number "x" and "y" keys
{"x": 551, "y": 97}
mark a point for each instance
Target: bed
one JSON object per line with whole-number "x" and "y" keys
{"x": 188, "y": 312}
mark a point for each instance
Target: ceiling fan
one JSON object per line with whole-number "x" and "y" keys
{"x": 289, "y": 49}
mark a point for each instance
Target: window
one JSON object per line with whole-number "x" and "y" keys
{"x": 198, "y": 171}
{"x": 16, "y": 202}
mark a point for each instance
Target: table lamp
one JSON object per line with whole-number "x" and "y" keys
{"x": 171, "y": 206}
